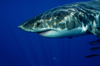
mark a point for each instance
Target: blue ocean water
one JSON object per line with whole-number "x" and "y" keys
{"x": 19, "y": 48}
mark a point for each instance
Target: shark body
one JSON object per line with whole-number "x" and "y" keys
{"x": 69, "y": 20}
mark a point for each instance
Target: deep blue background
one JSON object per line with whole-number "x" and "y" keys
{"x": 19, "y": 48}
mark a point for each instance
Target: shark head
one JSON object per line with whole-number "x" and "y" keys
{"x": 54, "y": 23}
{"x": 45, "y": 29}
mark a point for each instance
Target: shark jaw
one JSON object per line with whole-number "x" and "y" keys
{"x": 63, "y": 33}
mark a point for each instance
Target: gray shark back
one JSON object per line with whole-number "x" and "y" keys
{"x": 71, "y": 16}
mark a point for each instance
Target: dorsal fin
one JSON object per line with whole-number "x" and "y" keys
{"x": 96, "y": 0}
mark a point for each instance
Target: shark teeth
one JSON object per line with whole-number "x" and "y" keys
{"x": 44, "y": 32}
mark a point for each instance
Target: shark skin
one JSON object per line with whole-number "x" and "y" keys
{"x": 71, "y": 20}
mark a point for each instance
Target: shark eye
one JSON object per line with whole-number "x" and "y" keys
{"x": 38, "y": 24}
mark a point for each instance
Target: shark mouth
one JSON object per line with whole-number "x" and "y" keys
{"x": 43, "y": 32}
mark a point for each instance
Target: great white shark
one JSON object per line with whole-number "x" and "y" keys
{"x": 71, "y": 20}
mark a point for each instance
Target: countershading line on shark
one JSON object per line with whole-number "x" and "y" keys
{"x": 71, "y": 20}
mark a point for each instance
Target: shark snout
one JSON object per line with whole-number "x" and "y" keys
{"x": 24, "y": 28}
{"x": 20, "y": 26}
